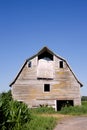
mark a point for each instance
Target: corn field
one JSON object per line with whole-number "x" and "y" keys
{"x": 13, "y": 114}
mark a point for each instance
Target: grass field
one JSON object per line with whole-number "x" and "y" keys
{"x": 46, "y": 118}
{"x": 76, "y": 110}
{"x": 48, "y": 115}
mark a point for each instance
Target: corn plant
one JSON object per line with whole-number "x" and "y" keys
{"x": 18, "y": 115}
{"x": 13, "y": 114}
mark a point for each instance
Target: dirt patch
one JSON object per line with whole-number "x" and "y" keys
{"x": 72, "y": 123}
{"x": 61, "y": 116}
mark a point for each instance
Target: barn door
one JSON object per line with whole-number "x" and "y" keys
{"x": 63, "y": 103}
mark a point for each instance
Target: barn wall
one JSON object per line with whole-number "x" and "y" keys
{"x": 29, "y": 73}
{"x": 30, "y": 90}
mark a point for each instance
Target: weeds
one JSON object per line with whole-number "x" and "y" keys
{"x": 43, "y": 109}
{"x": 76, "y": 110}
{"x": 41, "y": 123}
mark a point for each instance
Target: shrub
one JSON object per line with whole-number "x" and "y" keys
{"x": 5, "y": 98}
{"x": 84, "y": 98}
{"x": 18, "y": 115}
{"x": 13, "y": 114}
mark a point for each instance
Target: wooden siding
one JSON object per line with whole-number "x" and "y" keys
{"x": 29, "y": 72}
{"x": 45, "y": 69}
{"x": 63, "y": 84}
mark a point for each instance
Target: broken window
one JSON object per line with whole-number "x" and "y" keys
{"x": 46, "y": 87}
{"x": 46, "y": 56}
{"x": 29, "y": 64}
{"x": 61, "y": 64}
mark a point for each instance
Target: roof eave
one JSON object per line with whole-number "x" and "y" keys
{"x": 43, "y": 49}
{"x": 18, "y": 74}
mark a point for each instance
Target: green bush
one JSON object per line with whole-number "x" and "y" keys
{"x": 84, "y": 98}
{"x": 18, "y": 115}
{"x": 5, "y": 98}
{"x": 13, "y": 114}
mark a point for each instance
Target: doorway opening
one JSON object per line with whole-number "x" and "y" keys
{"x": 46, "y": 56}
{"x": 63, "y": 103}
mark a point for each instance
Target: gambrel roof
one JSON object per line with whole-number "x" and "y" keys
{"x": 44, "y": 49}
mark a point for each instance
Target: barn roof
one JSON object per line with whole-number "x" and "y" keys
{"x": 40, "y": 52}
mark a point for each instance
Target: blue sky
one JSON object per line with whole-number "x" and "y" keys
{"x": 28, "y": 25}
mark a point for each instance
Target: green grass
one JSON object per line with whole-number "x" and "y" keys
{"x": 40, "y": 120}
{"x": 84, "y": 103}
{"x": 41, "y": 110}
{"x": 40, "y": 123}
{"x": 76, "y": 110}
{"x": 48, "y": 123}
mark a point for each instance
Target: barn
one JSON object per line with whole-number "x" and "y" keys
{"x": 46, "y": 79}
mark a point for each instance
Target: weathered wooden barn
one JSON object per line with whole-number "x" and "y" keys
{"x": 46, "y": 79}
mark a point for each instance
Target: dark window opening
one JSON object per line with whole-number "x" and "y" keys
{"x": 45, "y": 55}
{"x": 63, "y": 103}
{"x": 61, "y": 64}
{"x": 46, "y": 87}
{"x": 29, "y": 64}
